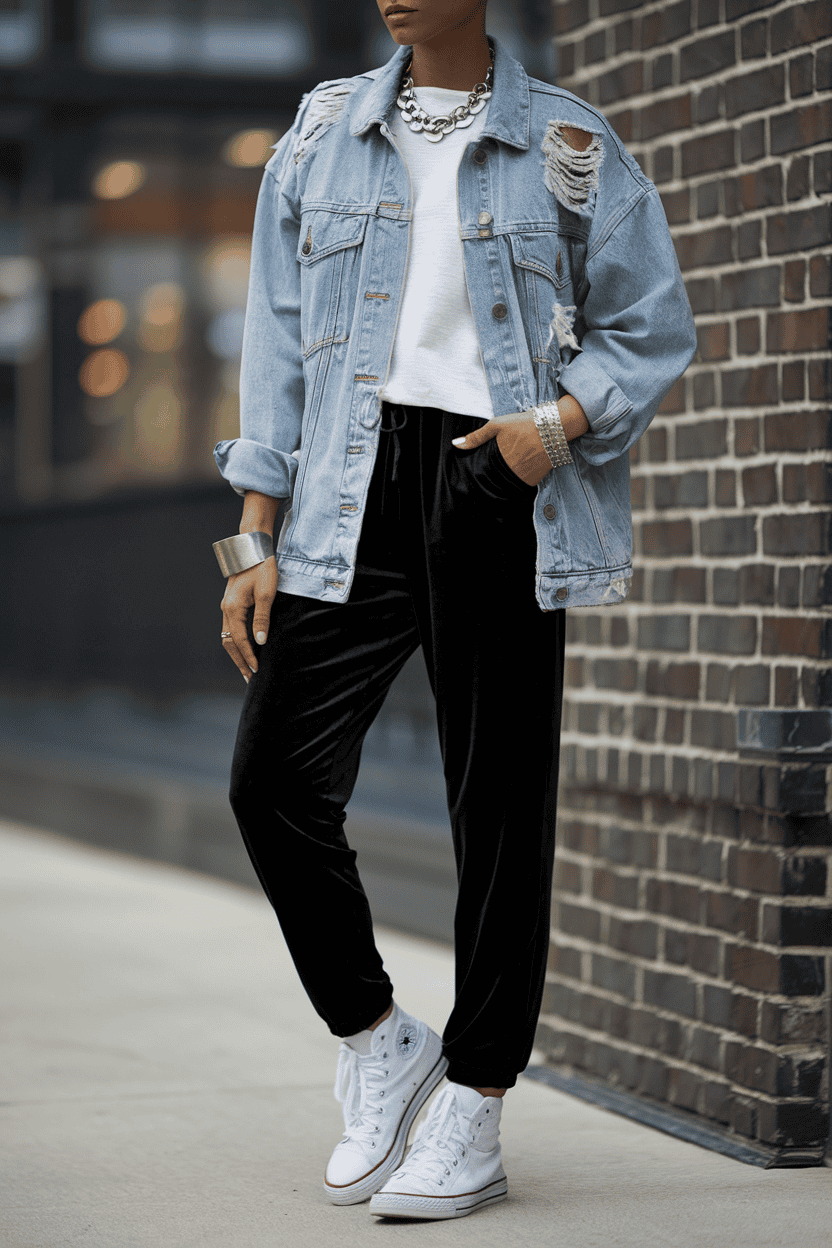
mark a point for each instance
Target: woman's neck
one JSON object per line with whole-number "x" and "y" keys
{"x": 458, "y": 63}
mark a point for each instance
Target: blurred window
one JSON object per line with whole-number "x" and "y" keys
{"x": 21, "y": 30}
{"x": 210, "y": 36}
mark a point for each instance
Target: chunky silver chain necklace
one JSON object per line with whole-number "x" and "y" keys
{"x": 435, "y": 128}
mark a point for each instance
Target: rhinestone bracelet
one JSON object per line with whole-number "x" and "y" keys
{"x": 548, "y": 423}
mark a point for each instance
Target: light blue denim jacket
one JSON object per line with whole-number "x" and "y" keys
{"x": 574, "y": 288}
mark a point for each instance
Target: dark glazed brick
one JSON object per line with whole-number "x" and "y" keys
{"x": 749, "y": 93}
{"x": 677, "y": 901}
{"x": 762, "y": 188}
{"x": 820, "y": 379}
{"x": 674, "y": 680}
{"x": 667, "y": 537}
{"x": 636, "y": 938}
{"x": 753, "y": 39}
{"x": 801, "y": 73}
{"x": 706, "y": 154}
{"x": 792, "y": 388}
{"x": 752, "y": 141}
{"x": 800, "y": 24}
{"x": 751, "y": 685}
{"x": 785, "y": 686}
{"x": 704, "y": 247}
{"x": 705, "y": 440}
{"x": 727, "y": 634}
{"x": 791, "y": 1024}
{"x": 666, "y": 25}
{"x": 662, "y": 75}
{"x": 757, "y": 870}
{"x": 689, "y": 489}
{"x": 701, "y": 292}
{"x": 683, "y": 1088}
{"x": 804, "y": 876}
{"x": 823, "y": 73}
{"x": 572, "y": 13}
{"x": 613, "y": 975}
{"x": 820, "y": 277}
{"x": 676, "y": 206}
{"x": 706, "y": 104}
{"x": 730, "y": 535}
{"x": 716, "y": 1005}
{"x": 620, "y": 83}
{"x": 718, "y": 1098}
{"x": 822, "y": 163}
{"x": 796, "y": 635}
{"x": 790, "y": 431}
{"x": 707, "y": 200}
{"x": 748, "y": 240}
{"x": 726, "y": 587}
{"x": 750, "y": 288}
{"x": 644, "y": 723}
{"x": 664, "y": 632}
{"x": 798, "y": 231}
{"x": 707, "y": 56}
{"x": 704, "y": 391}
{"x": 662, "y": 164}
{"x": 670, "y": 992}
{"x": 805, "y": 925}
{"x": 753, "y": 968}
{"x": 714, "y": 730}
{"x": 595, "y": 47}
{"x": 615, "y": 674}
{"x": 564, "y": 961}
{"x": 795, "y": 273}
{"x": 729, "y": 913}
{"x": 624, "y": 36}
{"x": 671, "y": 114}
{"x": 714, "y": 341}
{"x": 618, "y": 890}
{"x": 797, "y": 330}
{"x": 749, "y": 387}
{"x": 757, "y": 583}
{"x": 759, "y": 486}
{"x": 579, "y": 921}
{"x": 798, "y": 179}
{"x": 801, "y": 976}
{"x": 788, "y": 587}
{"x": 638, "y": 849}
{"x": 748, "y": 328}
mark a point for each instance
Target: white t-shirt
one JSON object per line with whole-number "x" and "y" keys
{"x": 436, "y": 357}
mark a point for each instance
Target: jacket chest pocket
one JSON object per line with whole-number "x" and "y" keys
{"x": 329, "y": 255}
{"x": 549, "y": 271}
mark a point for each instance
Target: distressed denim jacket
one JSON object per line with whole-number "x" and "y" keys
{"x": 574, "y": 287}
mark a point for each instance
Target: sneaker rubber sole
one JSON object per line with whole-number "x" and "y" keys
{"x": 435, "y": 1208}
{"x": 363, "y": 1188}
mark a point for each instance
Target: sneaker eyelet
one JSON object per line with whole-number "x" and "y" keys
{"x": 456, "y": 1163}
{"x": 441, "y": 1182}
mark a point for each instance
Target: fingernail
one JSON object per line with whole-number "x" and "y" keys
{"x": 246, "y": 679}
{"x": 260, "y": 638}
{"x": 458, "y": 441}
{"x": 252, "y": 669}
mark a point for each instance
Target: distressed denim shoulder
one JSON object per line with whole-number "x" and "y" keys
{"x": 562, "y": 300}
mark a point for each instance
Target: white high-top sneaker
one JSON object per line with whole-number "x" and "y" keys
{"x": 455, "y": 1165}
{"x": 381, "y": 1093}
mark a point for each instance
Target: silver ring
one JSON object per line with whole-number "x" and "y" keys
{"x": 226, "y": 634}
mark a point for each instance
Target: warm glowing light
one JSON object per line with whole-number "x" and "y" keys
{"x": 118, "y": 180}
{"x": 104, "y": 372}
{"x": 249, "y": 148}
{"x": 160, "y": 308}
{"x": 102, "y": 321}
{"x": 226, "y": 264}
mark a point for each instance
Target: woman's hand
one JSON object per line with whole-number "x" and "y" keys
{"x": 255, "y": 587}
{"x": 519, "y": 441}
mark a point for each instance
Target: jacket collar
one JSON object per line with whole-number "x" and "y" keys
{"x": 508, "y": 109}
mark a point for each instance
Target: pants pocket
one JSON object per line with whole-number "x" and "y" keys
{"x": 496, "y": 463}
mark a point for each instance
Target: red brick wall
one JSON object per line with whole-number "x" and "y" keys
{"x": 690, "y": 957}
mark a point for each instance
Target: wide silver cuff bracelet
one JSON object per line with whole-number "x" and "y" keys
{"x": 548, "y": 423}
{"x": 243, "y": 550}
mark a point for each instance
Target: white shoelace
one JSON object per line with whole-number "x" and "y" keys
{"x": 356, "y": 1087}
{"x": 439, "y": 1141}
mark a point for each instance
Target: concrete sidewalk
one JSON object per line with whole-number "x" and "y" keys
{"x": 165, "y": 1082}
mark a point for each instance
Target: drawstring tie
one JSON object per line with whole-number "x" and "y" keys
{"x": 394, "y": 429}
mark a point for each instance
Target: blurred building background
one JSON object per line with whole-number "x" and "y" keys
{"x": 690, "y": 963}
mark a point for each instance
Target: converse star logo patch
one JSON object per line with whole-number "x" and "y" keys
{"x": 406, "y": 1040}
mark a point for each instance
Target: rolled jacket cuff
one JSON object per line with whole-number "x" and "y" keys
{"x": 604, "y": 403}
{"x": 249, "y": 465}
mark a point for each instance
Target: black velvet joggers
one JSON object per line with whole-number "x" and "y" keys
{"x": 446, "y": 559}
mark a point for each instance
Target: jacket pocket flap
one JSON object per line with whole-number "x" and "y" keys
{"x": 323, "y": 232}
{"x": 544, "y": 252}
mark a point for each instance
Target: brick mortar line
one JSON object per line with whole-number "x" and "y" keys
{"x": 594, "y": 24}
{"x": 788, "y": 902}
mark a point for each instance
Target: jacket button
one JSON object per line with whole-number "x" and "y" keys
{"x": 306, "y": 248}
{"x": 480, "y": 156}
{"x": 485, "y": 218}
{"x": 549, "y": 511}
{"x": 499, "y": 311}
{"x": 562, "y": 594}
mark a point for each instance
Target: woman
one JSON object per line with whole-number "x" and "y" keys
{"x": 464, "y": 309}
